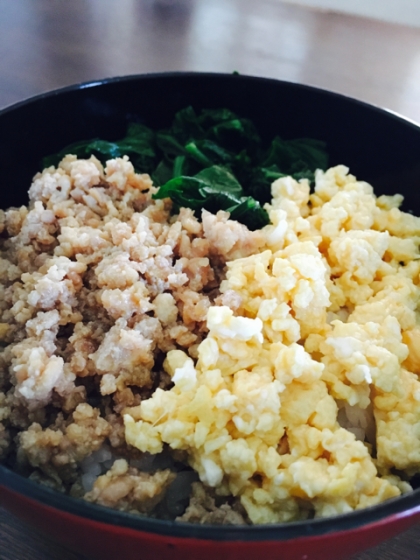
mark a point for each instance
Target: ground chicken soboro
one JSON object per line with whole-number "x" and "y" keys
{"x": 98, "y": 283}
{"x": 282, "y": 364}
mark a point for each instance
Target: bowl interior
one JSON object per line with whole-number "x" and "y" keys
{"x": 378, "y": 146}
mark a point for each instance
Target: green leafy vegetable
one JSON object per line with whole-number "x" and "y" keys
{"x": 138, "y": 145}
{"x": 215, "y": 188}
{"x": 213, "y": 160}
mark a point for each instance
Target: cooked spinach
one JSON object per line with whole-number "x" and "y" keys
{"x": 138, "y": 145}
{"x": 212, "y": 159}
{"x": 214, "y": 188}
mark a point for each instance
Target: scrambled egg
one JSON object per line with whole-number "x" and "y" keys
{"x": 281, "y": 406}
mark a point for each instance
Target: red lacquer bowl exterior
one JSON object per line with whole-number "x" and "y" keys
{"x": 103, "y": 534}
{"x": 103, "y": 541}
{"x": 379, "y": 147}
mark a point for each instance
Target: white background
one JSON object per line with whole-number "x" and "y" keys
{"x": 397, "y": 11}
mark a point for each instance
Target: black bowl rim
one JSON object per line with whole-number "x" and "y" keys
{"x": 395, "y": 508}
{"x": 185, "y": 74}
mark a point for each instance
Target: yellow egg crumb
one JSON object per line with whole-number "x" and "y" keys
{"x": 280, "y": 407}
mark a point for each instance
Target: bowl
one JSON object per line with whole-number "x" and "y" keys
{"x": 378, "y": 146}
